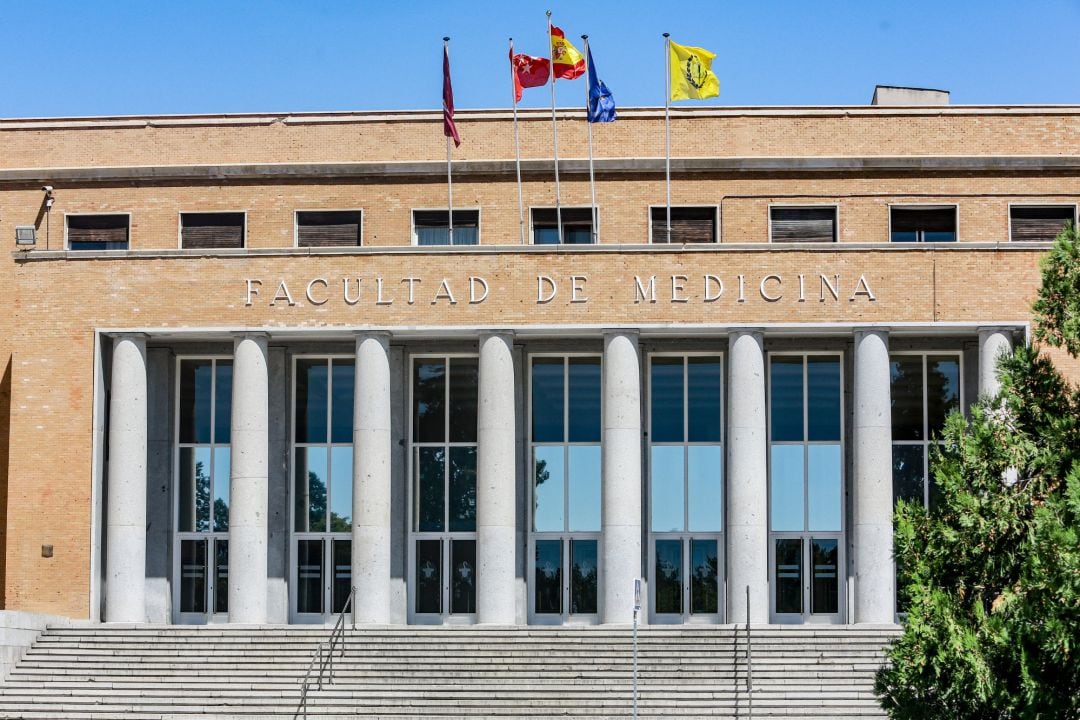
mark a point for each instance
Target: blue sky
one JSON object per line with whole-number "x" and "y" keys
{"x": 104, "y": 57}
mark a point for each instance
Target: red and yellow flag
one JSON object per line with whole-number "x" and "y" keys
{"x": 566, "y": 62}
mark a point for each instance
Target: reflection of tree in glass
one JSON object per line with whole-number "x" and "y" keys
{"x": 221, "y": 515}
{"x": 941, "y": 394}
{"x": 703, "y": 590}
{"x": 202, "y": 498}
{"x": 542, "y": 476}
{"x": 583, "y": 588}
{"x": 317, "y": 506}
{"x": 462, "y": 490}
{"x": 668, "y": 587}
{"x": 906, "y": 374}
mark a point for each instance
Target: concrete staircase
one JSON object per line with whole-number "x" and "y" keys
{"x": 169, "y": 672}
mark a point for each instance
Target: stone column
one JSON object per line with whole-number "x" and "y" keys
{"x": 993, "y": 343}
{"x": 125, "y": 562}
{"x": 248, "y": 480}
{"x": 872, "y": 534}
{"x": 747, "y": 528}
{"x": 496, "y": 478}
{"x": 371, "y": 538}
{"x": 621, "y": 468}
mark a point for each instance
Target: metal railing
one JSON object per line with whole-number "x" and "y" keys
{"x": 749, "y": 662}
{"x": 323, "y": 657}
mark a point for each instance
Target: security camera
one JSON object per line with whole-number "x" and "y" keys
{"x": 47, "y": 188}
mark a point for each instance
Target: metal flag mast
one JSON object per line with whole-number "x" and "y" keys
{"x": 449, "y": 174}
{"x": 667, "y": 129}
{"x": 517, "y": 142}
{"x": 555, "y": 134}
{"x": 588, "y": 125}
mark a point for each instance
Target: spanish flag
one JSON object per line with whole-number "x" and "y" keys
{"x": 692, "y": 77}
{"x": 566, "y": 62}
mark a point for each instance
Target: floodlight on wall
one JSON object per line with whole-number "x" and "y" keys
{"x": 26, "y": 235}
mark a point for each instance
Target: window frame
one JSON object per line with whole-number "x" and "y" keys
{"x": 532, "y": 223}
{"x": 716, "y": 222}
{"x": 805, "y": 206}
{"x": 923, "y": 206}
{"x": 296, "y": 227}
{"x": 180, "y": 230}
{"x": 479, "y": 225}
{"x": 67, "y": 243}
{"x": 1038, "y": 206}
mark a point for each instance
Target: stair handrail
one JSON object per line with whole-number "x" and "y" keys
{"x": 324, "y": 656}
{"x": 749, "y": 661}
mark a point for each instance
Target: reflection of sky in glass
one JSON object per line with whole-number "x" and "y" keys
{"x": 547, "y": 400}
{"x": 548, "y": 492}
{"x": 584, "y": 488}
{"x": 786, "y": 398}
{"x": 823, "y": 476}
{"x": 704, "y": 472}
{"x": 667, "y": 488}
{"x": 223, "y": 402}
{"x": 666, "y": 390}
{"x": 341, "y": 486}
{"x": 787, "y": 487}
{"x": 222, "y": 458}
{"x": 341, "y": 406}
{"x": 316, "y": 475}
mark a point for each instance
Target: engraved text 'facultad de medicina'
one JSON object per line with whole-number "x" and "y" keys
{"x": 641, "y": 289}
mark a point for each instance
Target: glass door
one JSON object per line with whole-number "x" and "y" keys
{"x": 201, "y": 541}
{"x": 321, "y": 566}
{"x": 442, "y": 538}
{"x": 806, "y": 481}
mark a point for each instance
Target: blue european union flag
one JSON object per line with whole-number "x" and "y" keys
{"x": 601, "y": 102}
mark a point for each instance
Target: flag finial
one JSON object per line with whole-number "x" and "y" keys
{"x": 667, "y": 34}
{"x": 549, "y": 14}
{"x": 446, "y": 38}
{"x": 584, "y": 37}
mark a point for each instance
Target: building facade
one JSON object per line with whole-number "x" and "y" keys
{"x": 251, "y": 369}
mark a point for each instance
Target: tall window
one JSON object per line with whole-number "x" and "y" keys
{"x": 577, "y": 226}
{"x": 202, "y": 508}
{"x": 322, "y": 485}
{"x": 686, "y": 484}
{"x": 565, "y": 429}
{"x": 444, "y": 405}
{"x": 432, "y": 227}
{"x": 806, "y": 507}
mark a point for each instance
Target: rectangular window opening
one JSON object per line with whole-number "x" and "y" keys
{"x": 98, "y": 232}
{"x": 923, "y": 224}
{"x": 688, "y": 225}
{"x": 802, "y": 224}
{"x": 432, "y": 227}
{"x": 1039, "y": 223}
{"x": 328, "y": 228}
{"x": 577, "y": 226}
{"x": 212, "y": 231}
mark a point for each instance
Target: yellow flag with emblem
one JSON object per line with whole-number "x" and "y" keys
{"x": 692, "y": 77}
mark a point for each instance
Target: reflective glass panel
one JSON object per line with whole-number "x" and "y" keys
{"x": 584, "y": 393}
{"x": 823, "y": 487}
{"x": 942, "y": 390}
{"x": 786, "y": 397}
{"x": 548, "y": 487}
{"x": 309, "y": 576}
{"x": 310, "y": 489}
{"x": 223, "y": 402}
{"x": 908, "y": 236}
{"x": 221, "y": 575}
{"x": 939, "y": 236}
{"x": 668, "y": 576}
{"x": 341, "y": 406}
{"x": 824, "y": 590}
{"x": 462, "y": 489}
{"x": 584, "y": 577}
{"x": 786, "y": 485}
{"x": 788, "y": 582}
{"x": 705, "y": 573}
{"x": 907, "y": 397}
{"x": 545, "y": 236}
{"x": 341, "y": 480}
{"x": 907, "y": 473}
{"x": 584, "y": 488}
{"x": 195, "y": 381}
{"x": 668, "y": 503}
{"x": 430, "y": 510}
{"x": 311, "y": 400}
{"x": 428, "y": 576}
{"x": 342, "y": 572}
{"x": 704, "y": 403}
{"x": 463, "y": 576}
{"x": 193, "y": 576}
{"x": 667, "y": 399}
{"x": 222, "y": 458}
{"x": 547, "y": 399}
{"x": 823, "y": 398}
{"x": 463, "y": 388}
{"x": 429, "y": 401}
{"x": 547, "y": 582}
{"x": 704, "y": 473}
{"x": 194, "y": 489}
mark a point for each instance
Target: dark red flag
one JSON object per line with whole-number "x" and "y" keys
{"x": 528, "y": 72}
{"x": 449, "y": 128}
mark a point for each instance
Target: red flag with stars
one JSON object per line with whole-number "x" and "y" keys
{"x": 529, "y": 72}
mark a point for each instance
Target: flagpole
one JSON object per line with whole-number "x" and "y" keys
{"x": 449, "y": 174}
{"x": 555, "y": 134}
{"x": 588, "y": 124}
{"x": 667, "y": 129}
{"x": 517, "y": 144}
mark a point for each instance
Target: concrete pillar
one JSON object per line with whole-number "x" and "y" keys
{"x": 621, "y": 468}
{"x": 248, "y": 481}
{"x": 993, "y": 343}
{"x": 747, "y": 473}
{"x": 496, "y": 477}
{"x": 371, "y": 535}
{"x": 875, "y": 589}
{"x": 125, "y": 562}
